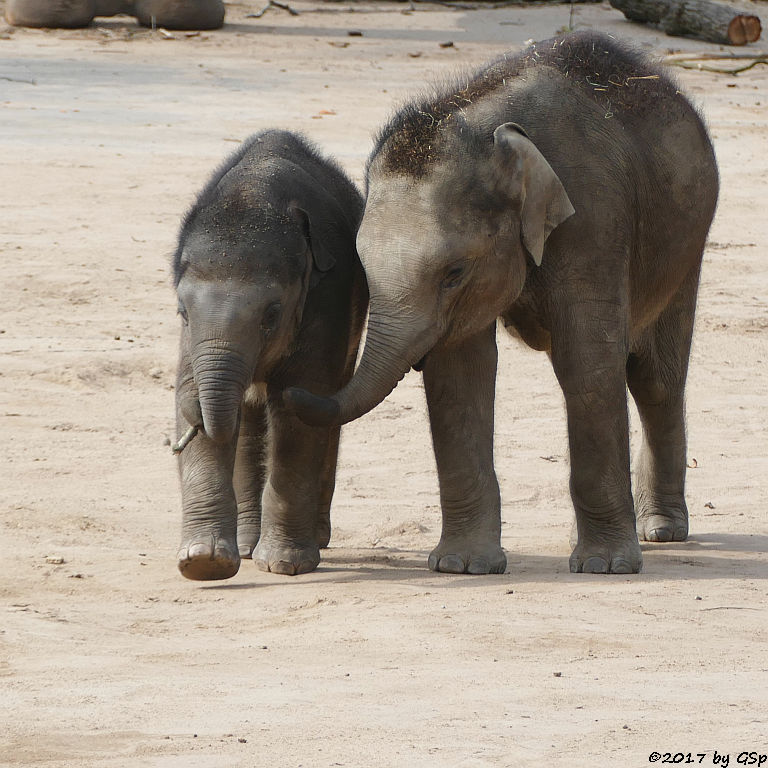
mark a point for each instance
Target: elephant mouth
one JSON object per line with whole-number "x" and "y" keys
{"x": 418, "y": 366}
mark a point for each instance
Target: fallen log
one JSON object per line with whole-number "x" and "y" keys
{"x": 180, "y": 14}
{"x": 169, "y": 14}
{"x": 703, "y": 19}
{"x": 50, "y": 13}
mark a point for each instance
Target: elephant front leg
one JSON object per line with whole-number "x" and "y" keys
{"x": 249, "y": 476}
{"x": 460, "y": 384}
{"x": 209, "y": 523}
{"x": 292, "y": 495}
{"x": 589, "y": 363}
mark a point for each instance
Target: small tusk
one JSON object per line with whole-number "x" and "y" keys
{"x": 185, "y": 440}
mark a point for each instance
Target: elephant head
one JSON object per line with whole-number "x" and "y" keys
{"x": 445, "y": 245}
{"x": 242, "y": 270}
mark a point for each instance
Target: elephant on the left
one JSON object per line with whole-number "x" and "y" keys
{"x": 271, "y": 294}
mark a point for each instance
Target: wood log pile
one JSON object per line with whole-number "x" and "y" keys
{"x": 167, "y": 14}
{"x": 703, "y": 19}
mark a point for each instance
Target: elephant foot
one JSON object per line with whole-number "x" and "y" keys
{"x": 288, "y": 561}
{"x": 663, "y": 525}
{"x": 600, "y": 556}
{"x": 461, "y": 556}
{"x": 208, "y": 559}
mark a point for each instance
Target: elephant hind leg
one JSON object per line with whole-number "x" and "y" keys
{"x": 327, "y": 486}
{"x": 296, "y": 486}
{"x": 656, "y": 373}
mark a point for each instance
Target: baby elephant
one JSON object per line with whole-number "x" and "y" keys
{"x": 568, "y": 190}
{"x": 271, "y": 294}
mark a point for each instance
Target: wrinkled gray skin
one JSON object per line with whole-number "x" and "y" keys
{"x": 271, "y": 294}
{"x": 568, "y": 190}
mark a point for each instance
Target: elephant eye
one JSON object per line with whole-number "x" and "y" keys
{"x": 183, "y": 312}
{"x": 271, "y": 317}
{"x": 453, "y": 277}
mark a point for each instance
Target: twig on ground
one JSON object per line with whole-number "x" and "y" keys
{"x": 455, "y": 5}
{"x": 697, "y": 65}
{"x": 18, "y": 80}
{"x": 273, "y": 4}
{"x": 714, "y": 56}
{"x": 476, "y": 6}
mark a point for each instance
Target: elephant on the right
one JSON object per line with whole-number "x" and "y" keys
{"x": 569, "y": 190}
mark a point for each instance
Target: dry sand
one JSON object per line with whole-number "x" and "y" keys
{"x": 110, "y": 658}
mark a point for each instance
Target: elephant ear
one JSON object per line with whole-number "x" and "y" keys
{"x": 544, "y": 201}
{"x": 317, "y": 239}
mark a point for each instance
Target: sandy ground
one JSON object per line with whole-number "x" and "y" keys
{"x": 108, "y": 657}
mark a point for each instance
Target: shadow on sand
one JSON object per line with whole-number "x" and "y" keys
{"x": 704, "y": 556}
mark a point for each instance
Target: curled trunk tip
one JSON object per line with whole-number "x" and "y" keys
{"x": 311, "y": 409}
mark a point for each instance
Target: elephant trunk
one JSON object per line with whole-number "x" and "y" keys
{"x": 222, "y": 378}
{"x": 394, "y": 342}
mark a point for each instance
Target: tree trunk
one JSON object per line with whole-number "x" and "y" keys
{"x": 702, "y": 19}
